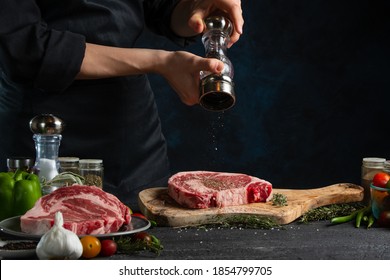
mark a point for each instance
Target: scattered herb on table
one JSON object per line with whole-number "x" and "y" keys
{"x": 330, "y": 211}
{"x": 244, "y": 221}
{"x": 141, "y": 241}
{"x": 279, "y": 199}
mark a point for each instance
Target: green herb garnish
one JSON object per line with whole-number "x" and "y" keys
{"x": 128, "y": 245}
{"x": 244, "y": 221}
{"x": 279, "y": 199}
{"x": 330, "y": 211}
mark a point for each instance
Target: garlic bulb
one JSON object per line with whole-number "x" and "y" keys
{"x": 59, "y": 243}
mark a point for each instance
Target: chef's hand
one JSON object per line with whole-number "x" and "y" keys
{"x": 187, "y": 18}
{"x": 181, "y": 70}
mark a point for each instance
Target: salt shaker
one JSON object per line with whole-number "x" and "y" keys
{"x": 47, "y": 136}
{"x": 217, "y": 90}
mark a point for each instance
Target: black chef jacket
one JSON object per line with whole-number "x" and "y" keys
{"x": 42, "y": 45}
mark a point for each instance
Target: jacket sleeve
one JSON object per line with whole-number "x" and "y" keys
{"x": 33, "y": 54}
{"x": 158, "y": 17}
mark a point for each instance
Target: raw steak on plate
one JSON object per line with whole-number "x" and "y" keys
{"x": 86, "y": 210}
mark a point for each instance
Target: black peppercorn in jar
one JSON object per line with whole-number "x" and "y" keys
{"x": 92, "y": 172}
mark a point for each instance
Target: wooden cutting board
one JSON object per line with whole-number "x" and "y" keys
{"x": 157, "y": 205}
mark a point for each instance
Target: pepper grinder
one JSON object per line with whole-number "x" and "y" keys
{"x": 47, "y": 136}
{"x": 217, "y": 90}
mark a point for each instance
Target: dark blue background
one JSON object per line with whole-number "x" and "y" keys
{"x": 313, "y": 96}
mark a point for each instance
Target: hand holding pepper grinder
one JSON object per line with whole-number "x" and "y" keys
{"x": 47, "y": 136}
{"x": 217, "y": 90}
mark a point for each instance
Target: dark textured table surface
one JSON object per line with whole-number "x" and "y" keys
{"x": 312, "y": 241}
{"x": 296, "y": 241}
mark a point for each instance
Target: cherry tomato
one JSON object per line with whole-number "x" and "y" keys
{"x": 380, "y": 179}
{"x": 109, "y": 247}
{"x": 91, "y": 246}
{"x": 143, "y": 236}
{"x": 384, "y": 219}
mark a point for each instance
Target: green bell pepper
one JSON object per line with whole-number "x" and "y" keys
{"x": 18, "y": 193}
{"x": 6, "y": 195}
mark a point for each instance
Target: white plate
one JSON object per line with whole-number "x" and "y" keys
{"x": 11, "y": 226}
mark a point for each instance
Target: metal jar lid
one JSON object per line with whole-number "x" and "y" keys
{"x": 90, "y": 163}
{"x": 20, "y": 162}
{"x": 68, "y": 159}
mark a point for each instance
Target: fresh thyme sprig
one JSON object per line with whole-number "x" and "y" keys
{"x": 279, "y": 199}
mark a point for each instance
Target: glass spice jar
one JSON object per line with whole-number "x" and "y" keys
{"x": 92, "y": 171}
{"x": 21, "y": 163}
{"x": 386, "y": 167}
{"x": 370, "y": 166}
{"x": 69, "y": 164}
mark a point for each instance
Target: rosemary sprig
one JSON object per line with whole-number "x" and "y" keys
{"x": 127, "y": 245}
{"x": 244, "y": 221}
{"x": 330, "y": 211}
{"x": 279, "y": 199}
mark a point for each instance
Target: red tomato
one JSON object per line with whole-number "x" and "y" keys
{"x": 384, "y": 219}
{"x": 143, "y": 236}
{"x": 380, "y": 179}
{"x": 109, "y": 247}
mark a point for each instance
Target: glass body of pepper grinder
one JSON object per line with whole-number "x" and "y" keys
{"x": 217, "y": 90}
{"x": 47, "y": 137}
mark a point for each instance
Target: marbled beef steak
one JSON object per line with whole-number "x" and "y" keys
{"x": 205, "y": 189}
{"x": 86, "y": 210}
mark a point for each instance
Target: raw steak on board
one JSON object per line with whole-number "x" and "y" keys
{"x": 205, "y": 189}
{"x": 86, "y": 210}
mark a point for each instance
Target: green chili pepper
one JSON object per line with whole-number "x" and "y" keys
{"x": 358, "y": 214}
{"x": 371, "y": 220}
{"x": 18, "y": 193}
{"x": 155, "y": 240}
{"x": 361, "y": 214}
{"x": 344, "y": 219}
